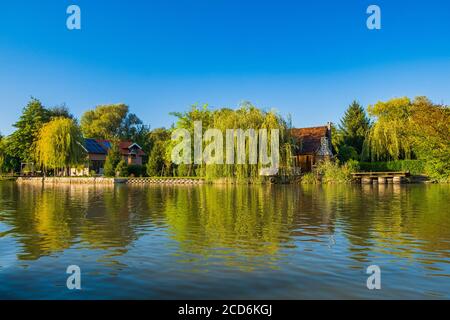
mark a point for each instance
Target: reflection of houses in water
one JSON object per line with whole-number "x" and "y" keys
{"x": 54, "y": 218}
{"x": 313, "y": 145}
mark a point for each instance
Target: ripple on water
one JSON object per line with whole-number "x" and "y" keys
{"x": 218, "y": 242}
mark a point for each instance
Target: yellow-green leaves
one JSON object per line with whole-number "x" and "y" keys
{"x": 60, "y": 144}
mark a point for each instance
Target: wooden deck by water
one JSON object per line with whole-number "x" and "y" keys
{"x": 381, "y": 177}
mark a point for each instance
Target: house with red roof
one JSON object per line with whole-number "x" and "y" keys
{"x": 313, "y": 145}
{"x": 97, "y": 151}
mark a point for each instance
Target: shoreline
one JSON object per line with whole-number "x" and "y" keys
{"x": 191, "y": 181}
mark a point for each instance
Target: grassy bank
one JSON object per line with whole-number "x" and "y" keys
{"x": 334, "y": 172}
{"x": 8, "y": 178}
{"x": 331, "y": 172}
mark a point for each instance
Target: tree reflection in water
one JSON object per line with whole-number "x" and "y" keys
{"x": 246, "y": 227}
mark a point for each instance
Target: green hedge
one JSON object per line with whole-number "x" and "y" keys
{"x": 413, "y": 166}
{"x": 137, "y": 170}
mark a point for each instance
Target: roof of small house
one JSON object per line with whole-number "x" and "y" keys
{"x": 310, "y": 138}
{"x": 126, "y": 146}
{"x": 92, "y": 146}
{"x": 97, "y": 146}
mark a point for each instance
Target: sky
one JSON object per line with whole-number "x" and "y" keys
{"x": 309, "y": 59}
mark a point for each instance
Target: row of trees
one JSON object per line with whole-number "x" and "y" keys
{"x": 52, "y": 139}
{"x": 245, "y": 117}
{"x": 398, "y": 129}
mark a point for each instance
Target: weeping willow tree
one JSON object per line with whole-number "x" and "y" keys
{"x": 390, "y": 135}
{"x": 59, "y": 145}
{"x": 245, "y": 118}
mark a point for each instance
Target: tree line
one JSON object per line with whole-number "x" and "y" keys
{"x": 397, "y": 129}
{"x": 394, "y": 130}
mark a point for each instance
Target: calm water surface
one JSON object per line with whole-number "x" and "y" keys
{"x": 276, "y": 242}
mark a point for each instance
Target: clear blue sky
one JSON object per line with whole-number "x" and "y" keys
{"x": 307, "y": 58}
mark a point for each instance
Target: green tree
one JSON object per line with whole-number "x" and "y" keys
{"x": 104, "y": 122}
{"x": 247, "y": 116}
{"x": 133, "y": 129}
{"x": 122, "y": 169}
{"x": 114, "y": 122}
{"x": 430, "y": 131}
{"x": 390, "y": 137}
{"x": 59, "y": 145}
{"x": 155, "y": 164}
{"x": 8, "y": 163}
{"x": 60, "y": 112}
{"x": 158, "y": 134}
{"x": 21, "y": 144}
{"x": 353, "y": 129}
{"x": 112, "y": 160}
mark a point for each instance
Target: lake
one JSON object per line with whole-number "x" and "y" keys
{"x": 223, "y": 242}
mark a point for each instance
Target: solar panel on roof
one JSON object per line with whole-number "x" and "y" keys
{"x": 93, "y": 146}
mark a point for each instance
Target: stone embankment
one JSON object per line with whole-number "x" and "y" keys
{"x": 102, "y": 180}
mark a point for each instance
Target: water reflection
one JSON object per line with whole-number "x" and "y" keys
{"x": 227, "y": 228}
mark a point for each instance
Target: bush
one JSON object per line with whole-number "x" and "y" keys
{"x": 331, "y": 171}
{"x": 112, "y": 160}
{"x": 155, "y": 163}
{"x": 352, "y": 165}
{"x": 122, "y": 169}
{"x": 309, "y": 178}
{"x": 413, "y": 166}
{"x": 136, "y": 170}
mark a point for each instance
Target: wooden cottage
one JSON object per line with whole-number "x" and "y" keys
{"x": 312, "y": 145}
{"x": 97, "y": 150}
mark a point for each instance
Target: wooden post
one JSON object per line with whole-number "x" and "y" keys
{"x": 382, "y": 180}
{"x": 398, "y": 179}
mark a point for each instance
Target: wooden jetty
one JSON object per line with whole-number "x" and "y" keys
{"x": 381, "y": 177}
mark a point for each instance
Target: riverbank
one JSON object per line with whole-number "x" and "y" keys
{"x": 200, "y": 236}
{"x": 8, "y": 178}
{"x": 107, "y": 181}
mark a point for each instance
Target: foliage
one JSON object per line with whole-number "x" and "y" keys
{"x": 245, "y": 117}
{"x": 158, "y": 135}
{"x": 406, "y": 129}
{"x": 21, "y": 144}
{"x": 60, "y": 112}
{"x": 137, "y": 170}
{"x": 309, "y": 178}
{"x": 114, "y": 122}
{"x": 352, "y": 132}
{"x": 415, "y": 167}
{"x": 133, "y": 129}
{"x": 430, "y": 126}
{"x": 346, "y": 153}
{"x": 390, "y": 138}
{"x": 8, "y": 163}
{"x": 122, "y": 169}
{"x": 112, "y": 160}
{"x": 155, "y": 165}
{"x": 333, "y": 172}
{"x": 59, "y": 145}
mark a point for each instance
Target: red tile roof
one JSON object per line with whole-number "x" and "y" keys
{"x": 125, "y": 145}
{"x": 310, "y": 138}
